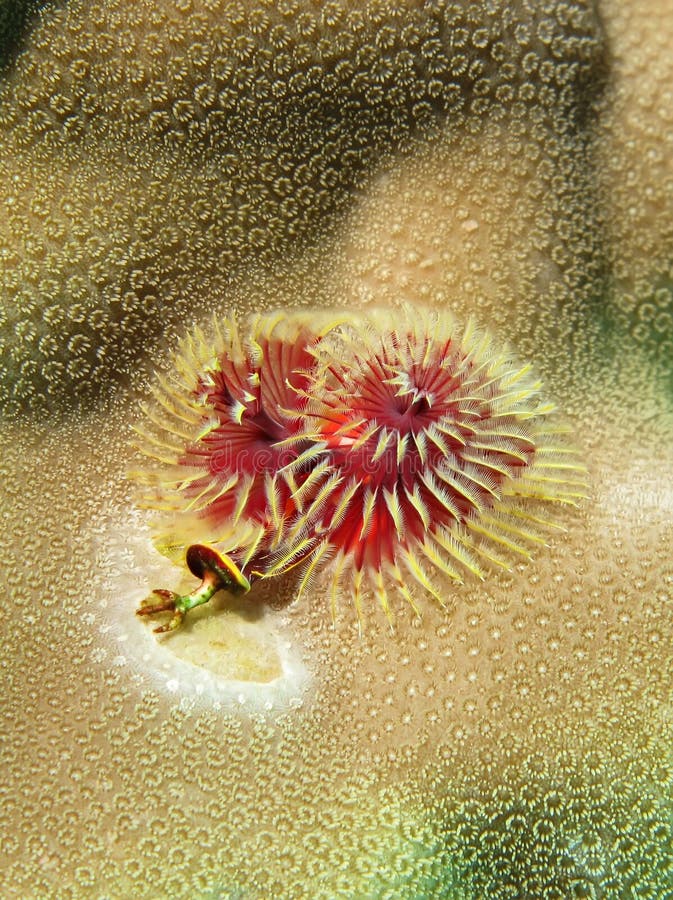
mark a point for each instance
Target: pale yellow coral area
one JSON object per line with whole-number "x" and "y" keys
{"x": 516, "y": 744}
{"x": 635, "y": 173}
{"x": 239, "y": 133}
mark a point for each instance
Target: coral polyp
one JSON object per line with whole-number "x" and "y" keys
{"x": 439, "y": 446}
{"x": 394, "y": 450}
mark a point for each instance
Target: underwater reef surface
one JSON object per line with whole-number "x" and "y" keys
{"x": 151, "y": 156}
{"x": 159, "y": 162}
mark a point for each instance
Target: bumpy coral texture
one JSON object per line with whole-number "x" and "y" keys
{"x": 145, "y": 150}
{"x": 518, "y": 745}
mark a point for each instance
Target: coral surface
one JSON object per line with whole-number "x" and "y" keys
{"x": 152, "y": 152}
{"x": 159, "y": 161}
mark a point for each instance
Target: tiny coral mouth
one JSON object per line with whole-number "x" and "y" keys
{"x": 395, "y": 450}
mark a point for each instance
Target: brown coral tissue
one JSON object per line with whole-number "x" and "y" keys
{"x": 164, "y": 163}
